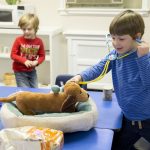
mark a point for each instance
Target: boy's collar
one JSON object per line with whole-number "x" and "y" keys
{"x": 120, "y": 56}
{"x": 126, "y": 53}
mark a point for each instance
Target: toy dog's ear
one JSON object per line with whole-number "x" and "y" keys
{"x": 69, "y": 104}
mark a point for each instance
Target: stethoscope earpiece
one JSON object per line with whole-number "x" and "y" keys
{"x": 138, "y": 40}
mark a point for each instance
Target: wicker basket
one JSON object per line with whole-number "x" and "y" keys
{"x": 9, "y": 79}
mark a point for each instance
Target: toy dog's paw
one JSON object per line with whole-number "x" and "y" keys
{"x": 55, "y": 88}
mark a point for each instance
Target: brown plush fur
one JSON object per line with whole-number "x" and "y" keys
{"x": 30, "y": 103}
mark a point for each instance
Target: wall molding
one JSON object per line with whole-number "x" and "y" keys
{"x": 145, "y": 11}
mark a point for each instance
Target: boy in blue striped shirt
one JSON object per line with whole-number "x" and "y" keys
{"x": 131, "y": 77}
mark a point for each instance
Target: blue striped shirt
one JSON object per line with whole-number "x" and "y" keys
{"x": 131, "y": 80}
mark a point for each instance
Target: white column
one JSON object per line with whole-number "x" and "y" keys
{"x": 145, "y": 4}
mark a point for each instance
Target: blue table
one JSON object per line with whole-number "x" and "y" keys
{"x": 6, "y": 90}
{"x": 98, "y": 138}
{"x": 110, "y": 115}
{"x": 95, "y": 139}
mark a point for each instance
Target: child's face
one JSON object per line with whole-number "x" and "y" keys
{"x": 123, "y": 43}
{"x": 28, "y": 32}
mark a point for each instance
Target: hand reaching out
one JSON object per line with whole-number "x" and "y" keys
{"x": 76, "y": 79}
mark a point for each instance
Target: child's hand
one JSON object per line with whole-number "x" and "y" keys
{"x": 28, "y": 63}
{"x": 142, "y": 49}
{"x": 76, "y": 79}
{"x": 34, "y": 63}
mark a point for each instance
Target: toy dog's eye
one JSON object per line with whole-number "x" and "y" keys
{"x": 80, "y": 92}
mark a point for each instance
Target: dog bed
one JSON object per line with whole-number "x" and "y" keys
{"x": 82, "y": 120}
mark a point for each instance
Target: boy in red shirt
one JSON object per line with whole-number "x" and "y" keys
{"x": 27, "y": 52}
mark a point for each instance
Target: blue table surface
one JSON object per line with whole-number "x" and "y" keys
{"x": 6, "y": 90}
{"x": 110, "y": 115}
{"x": 95, "y": 139}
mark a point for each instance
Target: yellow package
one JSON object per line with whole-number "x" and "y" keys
{"x": 31, "y": 137}
{"x": 50, "y": 139}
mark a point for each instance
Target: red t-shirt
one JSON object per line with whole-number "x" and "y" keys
{"x": 27, "y": 49}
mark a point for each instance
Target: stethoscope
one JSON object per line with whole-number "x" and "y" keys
{"x": 110, "y": 58}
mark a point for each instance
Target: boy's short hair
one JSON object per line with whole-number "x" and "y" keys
{"x": 29, "y": 19}
{"x": 127, "y": 22}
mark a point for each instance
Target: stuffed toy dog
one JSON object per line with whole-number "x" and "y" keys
{"x": 30, "y": 103}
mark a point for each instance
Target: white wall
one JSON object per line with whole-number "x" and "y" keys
{"x": 47, "y": 11}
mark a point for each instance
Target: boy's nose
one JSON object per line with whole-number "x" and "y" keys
{"x": 26, "y": 31}
{"x": 115, "y": 42}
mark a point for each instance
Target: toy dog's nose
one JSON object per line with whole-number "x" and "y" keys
{"x": 88, "y": 95}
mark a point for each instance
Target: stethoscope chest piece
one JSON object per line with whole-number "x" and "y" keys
{"x": 112, "y": 57}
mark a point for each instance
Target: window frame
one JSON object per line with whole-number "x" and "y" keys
{"x": 144, "y": 11}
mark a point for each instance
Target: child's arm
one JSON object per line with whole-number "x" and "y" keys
{"x": 93, "y": 72}
{"x": 41, "y": 53}
{"x": 144, "y": 62}
{"x": 15, "y": 52}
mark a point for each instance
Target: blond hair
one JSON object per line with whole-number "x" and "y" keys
{"x": 127, "y": 22}
{"x": 29, "y": 19}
